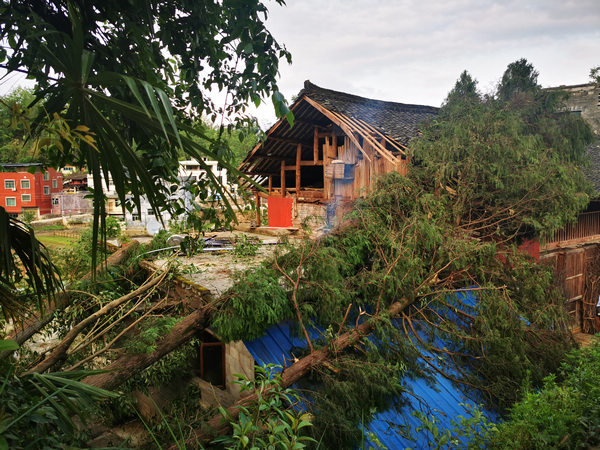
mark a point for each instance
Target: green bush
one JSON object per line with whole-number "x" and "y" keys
{"x": 564, "y": 413}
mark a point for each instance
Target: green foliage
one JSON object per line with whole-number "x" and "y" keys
{"x": 473, "y": 432}
{"x": 26, "y": 271}
{"x": 38, "y": 409}
{"x": 146, "y": 340}
{"x": 595, "y": 74}
{"x": 28, "y": 216}
{"x": 510, "y": 168}
{"x": 255, "y": 302}
{"x": 519, "y": 77}
{"x": 245, "y": 246}
{"x": 14, "y": 147}
{"x": 465, "y": 90}
{"x": 113, "y": 227}
{"x": 564, "y": 413}
{"x": 350, "y": 391}
{"x": 270, "y": 421}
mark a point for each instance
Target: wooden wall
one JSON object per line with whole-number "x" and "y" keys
{"x": 361, "y": 171}
{"x": 577, "y": 271}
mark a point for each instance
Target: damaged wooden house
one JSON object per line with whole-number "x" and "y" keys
{"x": 337, "y": 147}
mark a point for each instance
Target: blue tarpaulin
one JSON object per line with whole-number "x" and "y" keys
{"x": 441, "y": 398}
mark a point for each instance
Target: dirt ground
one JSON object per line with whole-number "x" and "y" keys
{"x": 214, "y": 270}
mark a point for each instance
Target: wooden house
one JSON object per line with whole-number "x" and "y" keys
{"x": 575, "y": 254}
{"x": 339, "y": 143}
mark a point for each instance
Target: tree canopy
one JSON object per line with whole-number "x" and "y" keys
{"x": 135, "y": 79}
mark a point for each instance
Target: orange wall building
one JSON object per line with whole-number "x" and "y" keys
{"x": 28, "y": 187}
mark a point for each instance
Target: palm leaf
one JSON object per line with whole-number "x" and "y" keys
{"x": 23, "y": 259}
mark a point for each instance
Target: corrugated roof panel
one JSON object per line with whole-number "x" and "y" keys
{"x": 442, "y": 398}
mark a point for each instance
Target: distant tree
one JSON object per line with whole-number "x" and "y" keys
{"x": 14, "y": 145}
{"x": 595, "y": 74}
{"x": 520, "y": 76}
{"x": 465, "y": 89}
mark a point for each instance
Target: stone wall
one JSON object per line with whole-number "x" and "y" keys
{"x": 311, "y": 214}
{"x": 238, "y": 360}
{"x": 585, "y": 100}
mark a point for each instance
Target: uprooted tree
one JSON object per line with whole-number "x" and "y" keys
{"x": 488, "y": 173}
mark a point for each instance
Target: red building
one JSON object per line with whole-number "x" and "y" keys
{"x": 28, "y": 187}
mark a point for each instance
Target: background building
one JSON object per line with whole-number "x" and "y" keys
{"x": 28, "y": 187}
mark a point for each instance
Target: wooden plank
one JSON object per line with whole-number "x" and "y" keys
{"x": 574, "y": 276}
{"x": 298, "y": 167}
{"x": 316, "y": 146}
{"x": 283, "y": 178}
{"x": 257, "y": 210}
{"x": 336, "y": 120}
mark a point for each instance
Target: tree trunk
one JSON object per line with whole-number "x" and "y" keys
{"x": 216, "y": 427}
{"x": 129, "y": 365}
{"x": 61, "y": 301}
{"x": 60, "y": 351}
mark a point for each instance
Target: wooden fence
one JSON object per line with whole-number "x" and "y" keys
{"x": 587, "y": 225}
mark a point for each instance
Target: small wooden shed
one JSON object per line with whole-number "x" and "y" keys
{"x": 338, "y": 145}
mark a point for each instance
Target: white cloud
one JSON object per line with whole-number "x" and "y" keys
{"x": 412, "y": 51}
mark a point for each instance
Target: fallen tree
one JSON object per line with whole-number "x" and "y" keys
{"x": 217, "y": 426}
{"x": 62, "y": 299}
{"x": 60, "y": 350}
{"x": 490, "y": 173}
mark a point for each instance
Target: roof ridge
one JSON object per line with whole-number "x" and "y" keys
{"x": 311, "y": 87}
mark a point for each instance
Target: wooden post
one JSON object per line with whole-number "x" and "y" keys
{"x": 258, "y": 222}
{"x": 270, "y": 184}
{"x": 298, "y": 158}
{"x": 283, "y": 178}
{"x": 316, "y": 146}
{"x": 334, "y": 146}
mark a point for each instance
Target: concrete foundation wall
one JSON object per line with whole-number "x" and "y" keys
{"x": 312, "y": 214}
{"x": 237, "y": 361}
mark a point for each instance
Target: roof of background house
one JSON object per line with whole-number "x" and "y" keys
{"x": 592, "y": 171}
{"x": 15, "y": 165}
{"x": 442, "y": 398}
{"x": 398, "y": 120}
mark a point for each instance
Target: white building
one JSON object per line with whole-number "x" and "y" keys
{"x": 189, "y": 171}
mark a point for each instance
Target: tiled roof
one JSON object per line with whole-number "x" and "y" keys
{"x": 400, "y": 121}
{"x": 592, "y": 172}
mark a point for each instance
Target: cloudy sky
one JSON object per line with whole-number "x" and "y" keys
{"x": 412, "y": 51}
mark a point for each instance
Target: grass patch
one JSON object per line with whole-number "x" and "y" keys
{"x": 57, "y": 241}
{"x": 50, "y": 227}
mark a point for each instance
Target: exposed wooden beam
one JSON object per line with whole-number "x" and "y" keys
{"x": 304, "y": 163}
{"x": 283, "y": 178}
{"x": 316, "y": 145}
{"x": 258, "y": 218}
{"x": 289, "y": 141}
{"x": 347, "y": 130}
{"x": 298, "y": 167}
